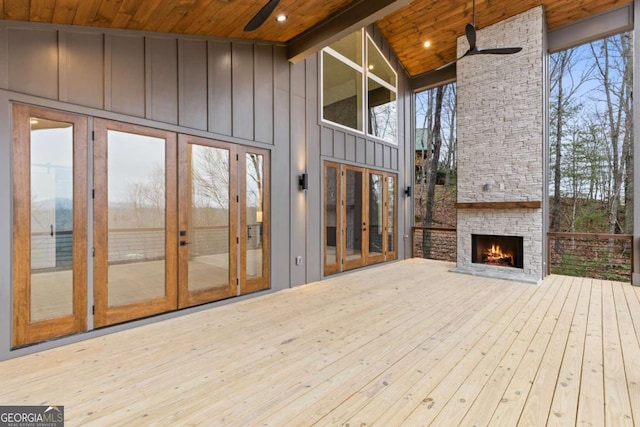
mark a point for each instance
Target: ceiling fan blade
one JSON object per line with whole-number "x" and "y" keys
{"x": 470, "y": 31}
{"x": 498, "y": 51}
{"x": 448, "y": 64}
{"x": 261, "y": 16}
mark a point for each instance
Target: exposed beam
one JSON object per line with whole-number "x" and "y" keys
{"x": 595, "y": 27}
{"x": 358, "y": 14}
{"x": 433, "y": 78}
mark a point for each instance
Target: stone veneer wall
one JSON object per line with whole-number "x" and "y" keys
{"x": 501, "y": 141}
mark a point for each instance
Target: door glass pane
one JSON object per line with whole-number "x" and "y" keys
{"x": 391, "y": 214}
{"x": 330, "y": 215}
{"x": 51, "y": 219}
{"x": 254, "y": 179}
{"x": 209, "y": 218}
{"x": 354, "y": 219}
{"x": 375, "y": 214}
{"x": 136, "y": 222}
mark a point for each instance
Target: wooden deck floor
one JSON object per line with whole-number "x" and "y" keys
{"x": 403, "y": 344}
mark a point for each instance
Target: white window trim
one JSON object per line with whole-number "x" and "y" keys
{"x": 344, "y": 59}
{"x": 382, "y": 83}
{"x": 366, "y": 74}
{"x": 389, "y": 85}
{"x": 362, "y": 88}
{"x": 371, "y": 75}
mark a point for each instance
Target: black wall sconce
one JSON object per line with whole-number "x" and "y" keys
{"x": 303, "y": 182}
{"x": 407, "y": 192}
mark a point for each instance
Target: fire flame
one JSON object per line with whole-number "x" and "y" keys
{"x": 495, "y": 253}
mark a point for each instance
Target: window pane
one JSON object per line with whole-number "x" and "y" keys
{"x": 255, "y": 194}
{"x": 391, "y": 215}
{"x": 353, "y": 213}
{"x": 341, "y": 93}
{"x": 350, "y": 47}
{"x": 382, "y": 111}
{"x": 51, "y": 219}
{"x": 209, "y": 218}
{"x": 375, "y": 214}
{"x": 136, "y": 206}
{"x": 376, "y": 64}
{"x": 330, "y": 218}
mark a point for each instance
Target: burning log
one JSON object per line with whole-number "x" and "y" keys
{"x": 495, "y": 256}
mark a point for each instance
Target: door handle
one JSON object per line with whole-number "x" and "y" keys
{"x": 184, "y": 243}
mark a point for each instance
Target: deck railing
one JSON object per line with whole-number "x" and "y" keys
{"x": 437, "y": 243}
{"x": 53, "y": 250}
{"x": 599, "y": 256}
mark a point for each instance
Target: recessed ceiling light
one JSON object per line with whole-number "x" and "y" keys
{"x": 371, "y": 66}
{"x": 33, "y": 121}
{"x": 281, "y": 18}
{"x": 427, "y": 44}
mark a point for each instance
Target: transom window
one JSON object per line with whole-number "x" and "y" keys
{"x": 348, "y": 86}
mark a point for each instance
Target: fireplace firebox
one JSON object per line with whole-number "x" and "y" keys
{"x": 503, "y": 251}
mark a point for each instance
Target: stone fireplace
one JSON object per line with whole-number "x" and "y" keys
{"x": 501, "y": 150}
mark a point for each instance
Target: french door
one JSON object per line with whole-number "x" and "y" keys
{"x": 208, "y": 220}
{"x": 360, "y": 212}
{"x": 49, "y": 224}
{"x": 224, "y": 217}
{"x": 177, "y": 221}
{"x": 135, "y": 229}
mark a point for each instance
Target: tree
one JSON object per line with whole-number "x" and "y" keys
{"x": 434, "y": 156}
{"x": 565, "y": 82}
{"x": 613, "y": 61}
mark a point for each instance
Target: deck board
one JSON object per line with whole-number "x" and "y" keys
{"x": 616, "y": 393}
{"x": 630, "y": 348}
{"x": 511, "y": 405}
{"x": 591, "y": 397}
{"x": 541, "y": 393}
{"x": 404, "y": 343}
{"x": 480, "y": 392}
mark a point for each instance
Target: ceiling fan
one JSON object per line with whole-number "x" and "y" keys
{"x": 261, "y": 16}
{"x": 470, "y": 32}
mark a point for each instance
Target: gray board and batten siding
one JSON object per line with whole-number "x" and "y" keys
{"x": 326, "y": 142}
{"x": 230, "y": 90}
{"x": 237, "y": 91}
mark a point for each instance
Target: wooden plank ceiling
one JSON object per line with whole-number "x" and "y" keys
{"x": 439, "y": 22}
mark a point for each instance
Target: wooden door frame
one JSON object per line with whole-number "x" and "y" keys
{"x": 24, "y": 330}
{"x": 336, "y": 267}
{"x": 366, "y": 259}
{"x": 260, "y": 283}
{"x": 105, "y": 315}
{"x": 372, "y": 259}
{"x": 389, "y": 255}
{"x": 188, "y": 298}
{"x": 355, "y": 263}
